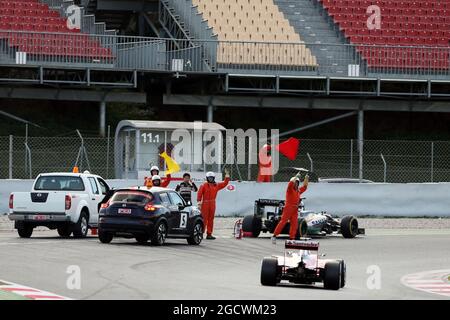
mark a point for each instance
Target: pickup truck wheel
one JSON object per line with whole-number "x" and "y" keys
{"x": 64, "y": 231}
{"x": 160, "y": 234}
{"x": 25, "y": 231}
{"x": 80, "y": 229}
{"x": 105, "y": 237}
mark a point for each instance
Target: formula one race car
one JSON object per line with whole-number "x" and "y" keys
{"x": 268, "y": 212}
{"x": 301, "y": 264}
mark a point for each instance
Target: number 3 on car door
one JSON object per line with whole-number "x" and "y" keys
{"x": 183, "y": 220}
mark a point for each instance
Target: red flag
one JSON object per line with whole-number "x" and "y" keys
{"x": 289, "y": 148}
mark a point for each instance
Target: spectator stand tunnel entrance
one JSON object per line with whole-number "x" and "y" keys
{"x": 138, "y": 145}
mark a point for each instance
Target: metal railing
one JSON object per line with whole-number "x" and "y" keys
{"x": 274, "y": 58}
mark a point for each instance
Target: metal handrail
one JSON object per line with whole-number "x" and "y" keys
{"x": 157, "y": 54}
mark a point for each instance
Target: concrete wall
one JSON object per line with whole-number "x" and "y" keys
{"x": 427, "y": 199}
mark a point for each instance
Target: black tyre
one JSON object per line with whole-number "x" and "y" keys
{"x": 64, "y": 231}
{"x": 81, "y": 228}
{"x": 332, "y": 275}
{"x": 252, "y": 224}
{"x": 196, "y": 236}
{"x": 105, "y": 237}
{"x": 349, "y": 227}
{"x": 25, "y": 231}
{"x": 142, "y": 238}
{"x": 160, "y": 234}
{"x": 343, "y": 273}
{"x": 302, "y": 230}
{"x": 269, "y": 272}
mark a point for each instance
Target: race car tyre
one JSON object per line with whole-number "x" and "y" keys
{"x": 343, "y": 273}
{"x": 105, "y": 237}
{"x": 349, "y": 227}
{"x": 80, "y": 229}
{"x": 196, "y": 236}
{"x": 64, "y": 231}
{"x": 269, "y": 272}
{"x": 332, "y": 275}
{"x": 142, "y": 238}
{"x": 160, "y": 234}
{"x": 25, "y": 231}
{"x": 252, "y": 224}
{"x": 302, "y": 230}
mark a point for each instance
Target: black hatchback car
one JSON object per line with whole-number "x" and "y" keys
{"x": 149, "y": 214}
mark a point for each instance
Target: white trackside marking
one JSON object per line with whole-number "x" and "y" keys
{"x": 435, "y": 281}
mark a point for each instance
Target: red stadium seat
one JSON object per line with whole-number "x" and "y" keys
{"x": 404, "y": 23}
{"x": 32, "y": 15}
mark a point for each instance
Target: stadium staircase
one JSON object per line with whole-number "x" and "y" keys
{"x": 114, "y": 20}
{"x": 311, "y": 23}
{"x": 236, "y": 25}
{"x": 181, "y": 20}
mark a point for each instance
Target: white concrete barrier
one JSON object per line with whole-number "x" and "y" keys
{"x": 411, "y": 199}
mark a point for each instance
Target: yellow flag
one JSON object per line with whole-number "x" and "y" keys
{"x": 172, "y": 166}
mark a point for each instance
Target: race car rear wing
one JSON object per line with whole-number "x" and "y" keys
{"x": 305, "y": 244}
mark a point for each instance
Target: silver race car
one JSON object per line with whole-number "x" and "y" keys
{"x": 267, "y": 214}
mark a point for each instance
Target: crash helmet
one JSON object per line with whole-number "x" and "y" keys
{"x": 154, "y": 168}
{"x": 210, "y": 176}
{"x": 296, "y": 180}
{"x": 156, "y": 180}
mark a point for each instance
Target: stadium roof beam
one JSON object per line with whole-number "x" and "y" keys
{"x": 323, "y": 85}
{"x": 301, "y": 102}
{"x": 73, "y": 95}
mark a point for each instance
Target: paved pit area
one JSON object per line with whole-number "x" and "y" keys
{"x": 227, "y": 268}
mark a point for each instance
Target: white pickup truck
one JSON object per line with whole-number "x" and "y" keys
{"x": 68, "y": 202}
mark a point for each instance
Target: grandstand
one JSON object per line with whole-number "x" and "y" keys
{"x": 254, "y": 20}
{"x": 271, "y": 37}
{"x": 273, "y": 53}
{"x": 404, "y": 23}
{"x": 23, "y": 20}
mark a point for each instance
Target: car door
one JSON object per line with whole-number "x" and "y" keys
{"x": 181, "y": 215}
{"x": 105, "y": 191}
{"x": 172, "y": 216}
{"x": 94, "y": 201}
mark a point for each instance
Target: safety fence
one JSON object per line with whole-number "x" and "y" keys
{"x": 54, "y": 154}
{"x": 383, "y": 160}
{"x": 112, "y": 52}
